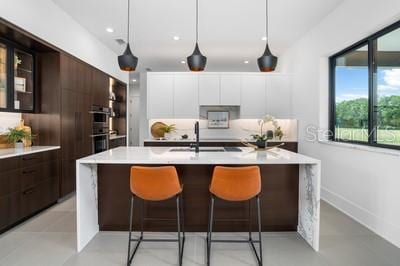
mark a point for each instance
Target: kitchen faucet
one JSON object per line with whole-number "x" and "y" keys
{"x": 197, "y": 132}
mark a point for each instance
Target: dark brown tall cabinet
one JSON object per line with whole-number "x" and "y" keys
{"x": 82, "y": 86}
{"x": 68, "y": 89}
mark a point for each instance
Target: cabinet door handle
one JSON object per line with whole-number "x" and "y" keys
{"x": 76, "y": 125}
{"x": 28, "y": 172}
{"x": 80, "y": 126}
{"x": 29, "y": 158}
{"x": 29, "y": 191}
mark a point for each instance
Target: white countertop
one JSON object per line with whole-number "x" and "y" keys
{"x": 210, "y": 140}
{"x": 163, "y": 155}
{"x": 117, "y": 137}
{"x": 13, "y": 152}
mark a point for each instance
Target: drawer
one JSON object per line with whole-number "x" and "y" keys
{"x": 39, "y": 196}
{"x": 39, "y": 157}
{"x": 33, "y": 175}
{"x": 10, "y": 211}
{"x": 10, "y": 182}
{"x": 31, "y": 159}
{"x": 9, "y": 164}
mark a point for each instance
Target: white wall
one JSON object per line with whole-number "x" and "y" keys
{"x": 8, "y": 120}
{"x": 47, "y": 21}
{"x": 365, "y": 183}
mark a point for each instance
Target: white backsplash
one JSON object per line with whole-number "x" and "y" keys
{"x": 238, "y": 128}
{"x": 8, "y": 120}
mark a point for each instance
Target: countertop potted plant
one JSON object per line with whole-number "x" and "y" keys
{"x": 262, "y": 138}
{"x": 17, "y": 136}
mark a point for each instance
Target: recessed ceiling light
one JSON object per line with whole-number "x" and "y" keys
{"x": 133, "y": 80}
{"x": 110, "y": 30}
{"x": 246, "y": 61}
{"x": 176, "y": 38}
{"x": 264, "y": 38}
{"x": 183, "y": 62}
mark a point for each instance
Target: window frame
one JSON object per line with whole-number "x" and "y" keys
{"x": 371, "y": 42}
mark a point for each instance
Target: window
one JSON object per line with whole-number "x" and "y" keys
{"x": 365, "y": 91}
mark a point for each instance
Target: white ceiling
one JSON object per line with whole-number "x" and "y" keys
{"x": 230, "y": 30}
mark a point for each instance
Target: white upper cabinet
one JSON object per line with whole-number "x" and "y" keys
{"x": 180, "y": 95}
{"x": 253, "y": 95}
{"x": 279, "y": 96}
{"x": 230, "y": 85}
{"x": 186, "y": 99}
{"x": 216, "y": 89}
{"x": 209, "y": 92}
{"x": 160, "y": 96}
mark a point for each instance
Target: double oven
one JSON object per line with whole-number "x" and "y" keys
{"x": 100, "y": 128}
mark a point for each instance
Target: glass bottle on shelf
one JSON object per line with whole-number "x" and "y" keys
{"x": 23, "y": 81}
{"x": 3, "y": 76}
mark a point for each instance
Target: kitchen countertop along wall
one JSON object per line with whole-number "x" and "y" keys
{"x": 13, "y": 152}
{"x": 239, "y": 129}
{"x": 211, "y": 140}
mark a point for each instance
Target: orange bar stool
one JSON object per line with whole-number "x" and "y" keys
{"x": 156, "y": 184}
{"x": 236, "y": 184}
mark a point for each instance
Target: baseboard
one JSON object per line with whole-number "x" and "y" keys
{"x": 388, "y": 231}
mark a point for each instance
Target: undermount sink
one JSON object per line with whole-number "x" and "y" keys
{"x": 207, "y": 149}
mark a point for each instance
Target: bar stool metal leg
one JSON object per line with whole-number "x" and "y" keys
{"x": 250, "y": 222}
{"x": 180, "y": 226}
{"x": 130, "y": 232}
{"x": 178, "y": 218}
{"x": 259, "y": 229}
{"x": 259, "y": 241}
{"x": 251, "y": 241}
{"x": 210, "y": 228}
{"x": 130, "y": 256}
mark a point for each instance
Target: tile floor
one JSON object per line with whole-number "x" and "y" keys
{"x": 49, "y": 239}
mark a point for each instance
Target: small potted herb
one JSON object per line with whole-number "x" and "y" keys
{"x": 168, "y": 130}
{"x": 17, "y": 136}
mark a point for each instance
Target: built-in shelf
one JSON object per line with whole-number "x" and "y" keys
{"x": 115, "y": 100}
{"x": 117, "y": 104}
{"x": 17, "y": 77}
{"x": 24, "y": 70}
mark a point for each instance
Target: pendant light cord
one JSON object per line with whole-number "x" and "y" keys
{"x": 128, "y": 18}
{"x": 266, "y": 20}
{"x": 197, "y": 20}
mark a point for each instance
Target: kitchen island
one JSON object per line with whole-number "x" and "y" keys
{"x": 288, "y": 204}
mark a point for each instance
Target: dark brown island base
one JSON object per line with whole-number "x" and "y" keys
{"x": 279, "y": 201}
{"x": 280, "y": 188}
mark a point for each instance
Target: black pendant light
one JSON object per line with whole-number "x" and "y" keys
{"x": 196, "y": 61}
{"x": 267, "y": 62}
{"x": 127, "y": 61}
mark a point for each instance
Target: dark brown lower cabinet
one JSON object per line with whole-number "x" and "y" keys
{"x": 279, "y": 201}
{"x": 68, "y": 179}
{"x": 31, "y": 186}
{"x": 118, "y": 142}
